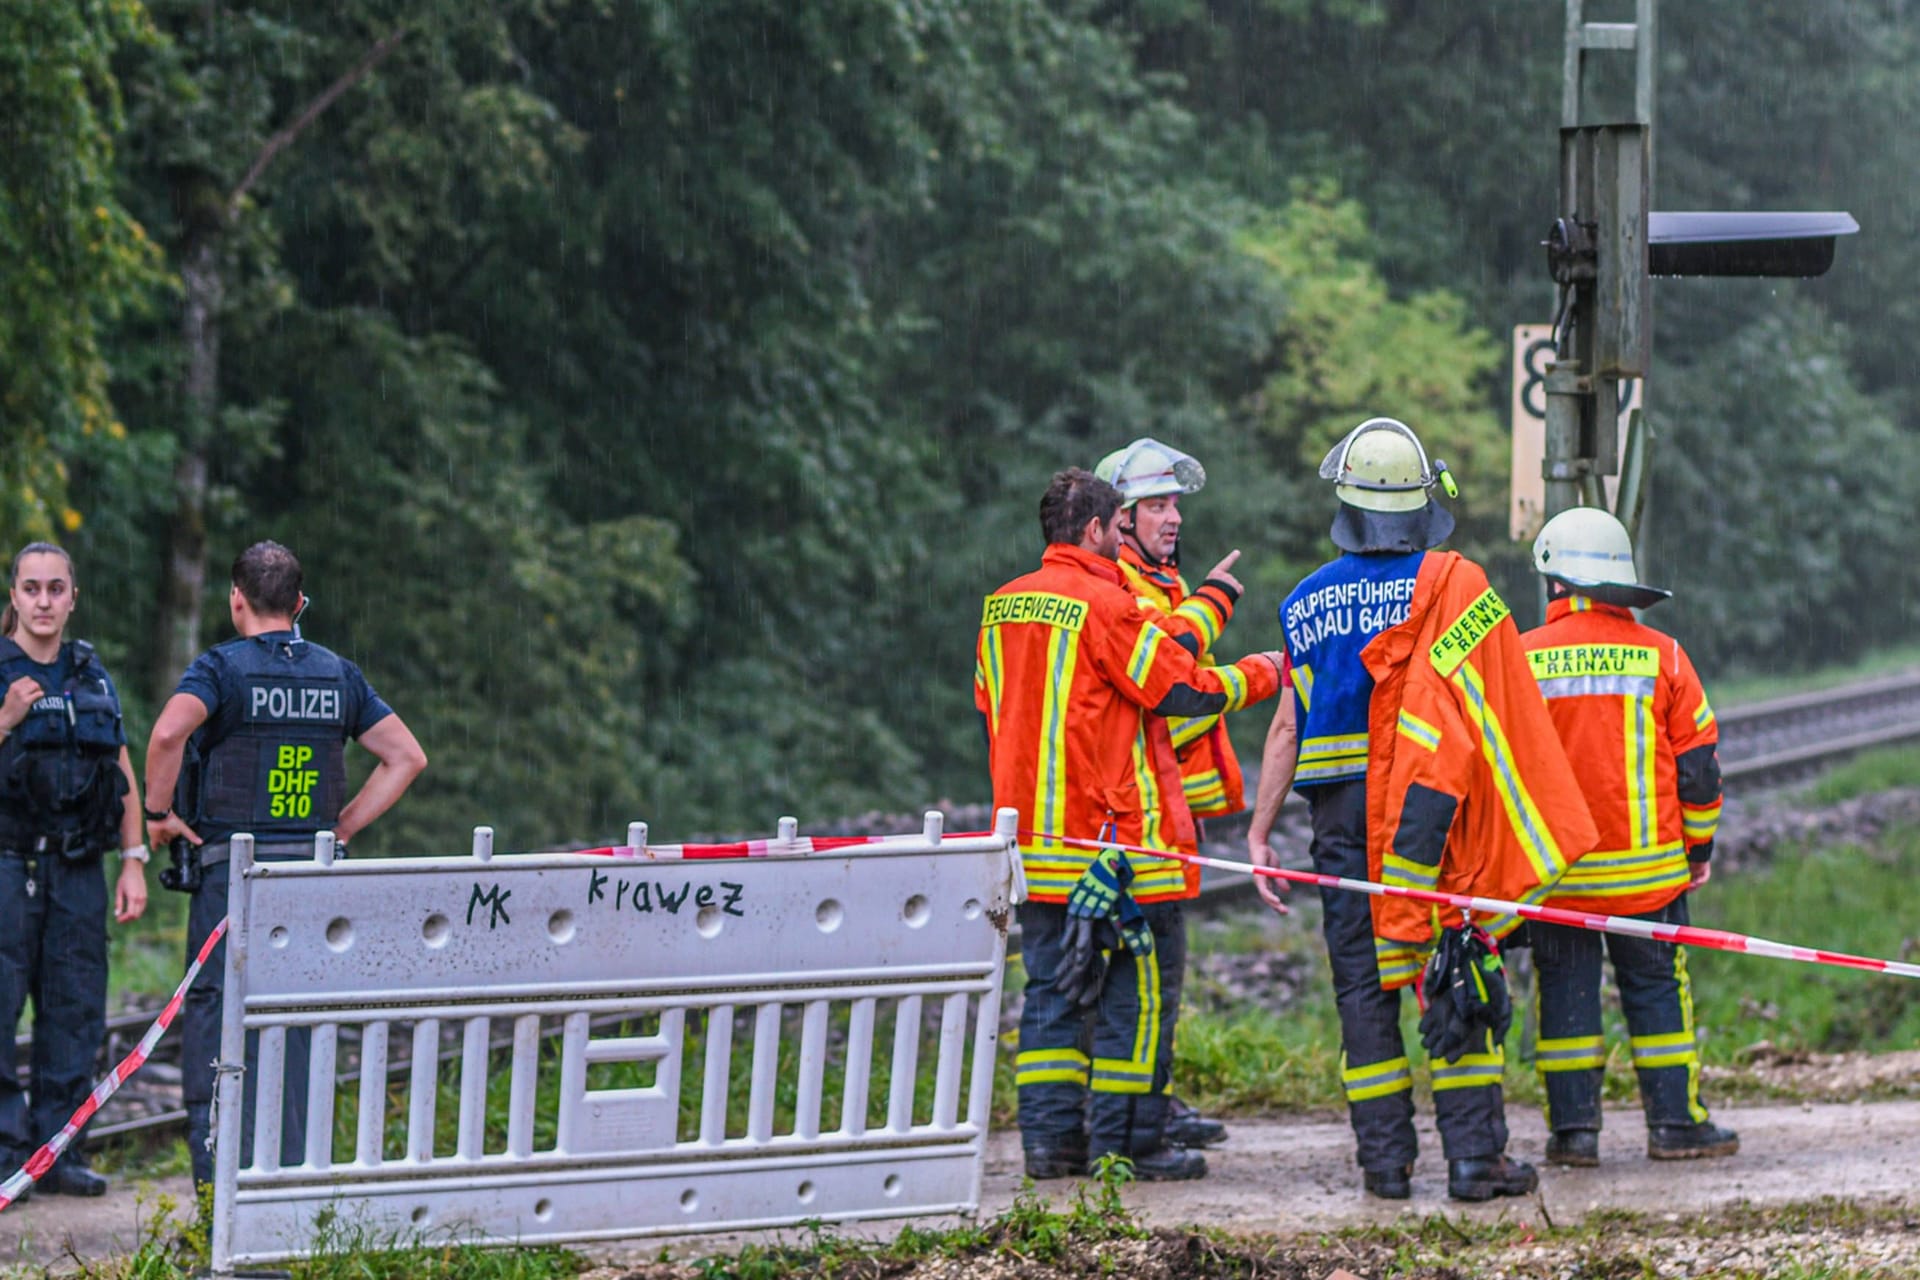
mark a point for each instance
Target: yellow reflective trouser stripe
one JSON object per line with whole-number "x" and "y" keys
{"x": 1119, "y": 1075}
{"x": 1694, "y": 1108}
{"x": 1050, "y": 1066}
{"x": 1474, "y": 1070}
{"x": 1671, "y": 1049}
{"x": 1049, "y": 796}
{"x": 1376, "y": 1079}
{"x": 1523, "y": 815}
{"x": 1419, "y": 731}
{"x": 1570, "y": 1053}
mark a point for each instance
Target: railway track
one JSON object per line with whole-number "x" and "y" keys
{"x": 1762, "y": 745}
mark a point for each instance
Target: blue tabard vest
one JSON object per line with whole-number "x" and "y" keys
{"x": 1330, "y": 617}
{"x": 61, "y": 787}
{"x": 281, "y": 770}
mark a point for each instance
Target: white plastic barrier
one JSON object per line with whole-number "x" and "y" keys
{"x": 595, "y": 1001}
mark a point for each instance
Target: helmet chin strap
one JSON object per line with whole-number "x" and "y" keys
{"x": 1129, "y": 531}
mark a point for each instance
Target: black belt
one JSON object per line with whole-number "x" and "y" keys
{"x": 60, "y": 846}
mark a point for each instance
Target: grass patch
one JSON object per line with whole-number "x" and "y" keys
{"x": 1868, "y": 773}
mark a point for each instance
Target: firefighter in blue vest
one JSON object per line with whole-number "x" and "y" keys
{"x": 254, "y": 740}
{"x": 1318, "y": 743}
{"x": 66, "y": 797}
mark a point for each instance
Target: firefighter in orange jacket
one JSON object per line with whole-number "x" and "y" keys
{"x": 1636, "y": 722}
{"x": 1073, "y": 679}
{"x": 1427, "y": 760}
{"x": 1152, "y": 478}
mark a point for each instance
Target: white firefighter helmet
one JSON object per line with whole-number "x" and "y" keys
{"x": 1380, "y": 466}
{"x": 1148, "y": 469}
{"x": 1590, "y": 552}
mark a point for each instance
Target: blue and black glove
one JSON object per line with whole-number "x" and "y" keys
{"x": 1100, "y": 896}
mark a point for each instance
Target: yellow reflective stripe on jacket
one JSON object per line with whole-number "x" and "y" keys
{"x": 1472, "y": 1071}
{"x": 1569, "y": 1053}
{"x": 1333, "y": 755}
{"x": 990, "y": 672}
{"x": 1399, "y": 962}
{"x": 1529, "y": 828}
{"x": 1049, "y": 799}
{"x": 1671, "y": 1049}
{"x": 1376, "y": 1079}
{"x": 1699, "y": 823}
{"x": 1204, "y": 790}
{"x": 1303, "y": 684}
{"x": 1618, "y": 873}
{"x": 1145, "y": 646}
{"x": 1056, "y": 871}
{"x": 1050, "y": 1066}
{"x": 1415, "y": 729}
{"x": 1703, "y": 715}
{"x": 1204, "y": 616}
{"x": 1408, "y": 874}
{"x": 1188, "y": 729}
{"x": 1642, "y": 748}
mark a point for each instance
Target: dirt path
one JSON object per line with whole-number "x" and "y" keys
{"x": 1295, "y": 1175}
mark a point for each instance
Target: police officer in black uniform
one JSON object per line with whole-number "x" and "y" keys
{"x": 66, "y": 796}
{"x": 260, "y": 725}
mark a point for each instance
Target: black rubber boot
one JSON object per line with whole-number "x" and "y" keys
{"x": 1690, "y": 1141}
{"x": 1188, "y": 1128}
{"x": 1169, "y": 1164}
{"x": 1489, "y": 1176}
{"x": 1390, "y": 1184}
{"x": 1061, "y": 1161}
{"x": 1574, "y": 1149}
{"x": 67, "y": 1178}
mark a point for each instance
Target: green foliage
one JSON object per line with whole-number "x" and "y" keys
{"x": 72, "y": 260}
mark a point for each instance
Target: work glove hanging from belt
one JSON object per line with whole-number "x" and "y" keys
{"x": 1100, "y": 897}
{"x": 1465, "y": 990}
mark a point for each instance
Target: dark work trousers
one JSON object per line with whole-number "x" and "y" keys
{"x": 1468, "y": 1105}
{"x": 1658, "y": 1004}
{"x": 53, "y": 950}
{"x": 200, "y": 1031}
{"x": 1130, "y": 1068}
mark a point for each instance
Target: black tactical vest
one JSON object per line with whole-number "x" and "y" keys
{"x": 60, "y": 781}
{"x": 282, "y": 769}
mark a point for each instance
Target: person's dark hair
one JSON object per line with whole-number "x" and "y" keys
{"x": 268, "y": 575}
{"x": 1074, "y": 497}
{"x": 9, "y": 617}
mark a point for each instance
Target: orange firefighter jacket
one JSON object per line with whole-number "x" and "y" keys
{"x": 1637, "y": 725}
{"x": 1067, "y": 670}
{"x": 1468, "y": 788}
{"x": 1209, "y": 770}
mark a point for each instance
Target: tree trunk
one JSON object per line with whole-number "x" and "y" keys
{"x": 183, "y": 587}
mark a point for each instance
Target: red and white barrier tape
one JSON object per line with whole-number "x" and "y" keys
{"x": 758, "y": 848}
{"x": 1683, "y": 934}
{"x": 42, "y": 1160}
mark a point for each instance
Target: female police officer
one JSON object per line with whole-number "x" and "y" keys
{"x": 66, "y": 795}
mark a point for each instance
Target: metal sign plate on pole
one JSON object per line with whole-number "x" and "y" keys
{"x": 585, "y": 1047}
{"x": 1532, "y": 355}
